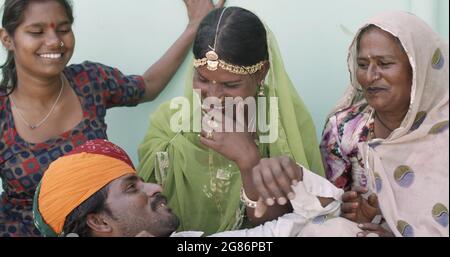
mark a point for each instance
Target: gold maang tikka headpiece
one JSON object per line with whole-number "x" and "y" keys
{"x": 213, "y": 61}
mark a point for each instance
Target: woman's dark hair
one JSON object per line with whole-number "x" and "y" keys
{"x": 241, "y": 38}
{"x": 76, "y": 221}
{"x": 13, "y": 11}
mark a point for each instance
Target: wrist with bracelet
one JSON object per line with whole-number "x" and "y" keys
{"x": 247, "y": 201}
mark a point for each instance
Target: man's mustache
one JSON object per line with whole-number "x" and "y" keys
{"x": 157, "y": 200}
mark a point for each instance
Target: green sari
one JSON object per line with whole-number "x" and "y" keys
{"x": 202, "y": 186}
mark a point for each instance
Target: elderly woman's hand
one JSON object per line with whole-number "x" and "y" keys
{"x": 369, "y": 229}
{"x": 358, "y": 209}
{"x": 198, "y": 9}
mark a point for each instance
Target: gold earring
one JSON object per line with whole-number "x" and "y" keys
{"x": 261, "y": 89}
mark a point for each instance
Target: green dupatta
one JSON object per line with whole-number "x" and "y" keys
{"x": 203, "y": 187}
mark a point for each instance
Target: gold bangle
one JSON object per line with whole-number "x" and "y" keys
{"x": 249, "y": 203}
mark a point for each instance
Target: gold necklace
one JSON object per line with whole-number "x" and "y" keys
{"x": 37, "y": 125}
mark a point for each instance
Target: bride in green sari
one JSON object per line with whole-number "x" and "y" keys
{"x": 205, "y": 175}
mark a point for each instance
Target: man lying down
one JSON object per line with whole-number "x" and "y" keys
{"x": 94, "y": 192}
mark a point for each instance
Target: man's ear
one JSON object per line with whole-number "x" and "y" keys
{"x": 6, "y": 40}
{"x": 99, "y": 223}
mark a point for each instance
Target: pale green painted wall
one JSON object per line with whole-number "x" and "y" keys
{"x": 313, "y": 36}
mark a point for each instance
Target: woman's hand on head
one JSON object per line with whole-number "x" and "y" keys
{"x": 198, "y": 9}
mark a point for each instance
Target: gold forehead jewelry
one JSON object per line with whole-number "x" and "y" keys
{"x": 240, "y": 70}
{"x": 213, "y": 61}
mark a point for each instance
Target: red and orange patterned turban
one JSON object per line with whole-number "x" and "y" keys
{"x": 74, "y": 178}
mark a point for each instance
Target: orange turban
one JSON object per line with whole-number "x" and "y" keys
{"x": 74, "y": 178}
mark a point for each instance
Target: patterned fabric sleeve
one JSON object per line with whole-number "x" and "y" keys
{"x": 337, "y": 165}
{"x": 2, "y": 131}
{"x": 119, "y": 89}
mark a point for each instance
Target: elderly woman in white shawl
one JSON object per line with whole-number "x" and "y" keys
{"x": 387, "y": 141}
